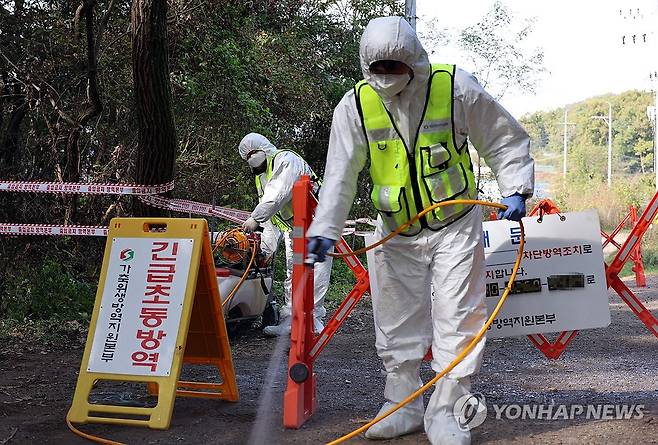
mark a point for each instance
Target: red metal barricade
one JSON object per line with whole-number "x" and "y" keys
{"x": 630, "y": 249}
{"x": 636, "y": 255}
{"x": 626, "y": 250}
{"x": 299, "y": 401}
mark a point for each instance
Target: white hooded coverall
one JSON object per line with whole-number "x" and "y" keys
{"x": 407, "y": 320}
{"x": 288, "y": 167}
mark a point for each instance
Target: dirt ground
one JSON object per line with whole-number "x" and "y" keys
{"x": 617, "y": 365}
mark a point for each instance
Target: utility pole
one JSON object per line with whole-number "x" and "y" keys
{"x": 653, "y": 36}
{"x": 645, "y": 32}
{"x": 654, "y": 117}
{"x": 609, "y": 144}
{"x": 566, "y": 138}
{"x": 608, "y": 121}
{"x": 655, "y": 95}
{"x": 410, "y": 12}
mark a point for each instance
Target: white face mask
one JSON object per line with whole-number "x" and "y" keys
{"x": 388, "y": 85}
{"x": 256, "y": 160}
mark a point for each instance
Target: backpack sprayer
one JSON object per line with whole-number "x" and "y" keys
{"x": 244, "y": 275}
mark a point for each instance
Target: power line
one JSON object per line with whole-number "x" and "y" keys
{"x": 644, "y": 34}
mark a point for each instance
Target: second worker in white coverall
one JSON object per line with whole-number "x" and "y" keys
{"x": 276, "y": 172}
{"x": 412, "y": 121}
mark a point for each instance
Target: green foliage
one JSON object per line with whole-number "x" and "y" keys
{"x": 342, "y": 282}
{"x": 47, "y": 292}
{"x": 632, "y": 136}
{"x": 535, "y": 125}
{"x": 53, "y": 332}
{"x": 585, "y": 187}
{"x": 277, "y": 68}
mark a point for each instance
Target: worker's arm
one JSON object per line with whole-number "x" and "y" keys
{"x": 346, "y": 157}
{"x": 286, "y": 169}
{"x": 496, "y": 135}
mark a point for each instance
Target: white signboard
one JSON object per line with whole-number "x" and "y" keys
{"x": 141, "y": 306}
{"x": 561, "y": 283}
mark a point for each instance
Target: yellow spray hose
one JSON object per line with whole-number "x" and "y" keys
{"x": 90, "y": 437}
{"x": 244, "y": 276}
{"x": 475, "y": 340}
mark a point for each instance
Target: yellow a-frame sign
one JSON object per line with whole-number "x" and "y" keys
{"x": 157, "y": 306}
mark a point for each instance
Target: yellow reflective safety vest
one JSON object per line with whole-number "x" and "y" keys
{"x": 407, "y": 181}
{"x": 283, "y": 218}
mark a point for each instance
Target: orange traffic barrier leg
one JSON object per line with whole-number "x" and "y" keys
{"x": 628, "y": 250}
{"x": 634, "y": 303}
{"x": 299, "y": 401}
{"x": 638, "y": 266}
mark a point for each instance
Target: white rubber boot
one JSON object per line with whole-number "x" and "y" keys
{"x": 318, "y": 326}
{"x": 441, "y": 425}
{"x": 283, "y": 328}
{"x": 407, "y": 419}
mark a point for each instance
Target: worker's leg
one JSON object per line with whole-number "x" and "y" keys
{"x": 458, "y": 312}
{"x": 283, "y": 328}
{"x": 321, "y": 279}
{"x": 270, "y": 239}
{"x": 403, "y": 328}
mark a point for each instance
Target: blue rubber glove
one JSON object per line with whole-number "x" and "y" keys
{"x": 318, "y": 246}
{"x": 515, "y": 207}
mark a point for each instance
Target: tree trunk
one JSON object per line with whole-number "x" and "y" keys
{"x": 93, "y": 108}
{"x": 14, "y": 101}
{"x": 12, "y": 139}
{"x": 156, "y": 149}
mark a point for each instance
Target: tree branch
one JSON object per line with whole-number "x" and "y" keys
{"x": 61, "y": 112}
{"x": 76, "y": 20}
{"x": 94, "y": 102}
{"x": 109, "y": 45}
{"x": 102, "y": 25}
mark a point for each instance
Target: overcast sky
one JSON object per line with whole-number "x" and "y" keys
{"x": 582, "y": 42}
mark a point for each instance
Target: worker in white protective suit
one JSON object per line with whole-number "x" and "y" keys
{"x": 276, "y": 172}
{"x": 411, "y": 121}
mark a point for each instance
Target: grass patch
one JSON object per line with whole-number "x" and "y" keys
{"x": 649, "y": 255}
{"x": 48, "y": 292}
{"x": 44, "y": 305}
{"x": 53, "y": 332}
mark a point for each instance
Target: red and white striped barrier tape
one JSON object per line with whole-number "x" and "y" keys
{"x": 198, "y": 208}
{"x": 352, "y": 231}
{"x": 51, "y": 229}
{"x": 84, "y": 188}
{"x": 146, "y": 193}
{"x": 353, "y": 222}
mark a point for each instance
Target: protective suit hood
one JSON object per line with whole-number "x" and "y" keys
{"x": 392, "y": 38}
{"x": 255, "y": 141}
